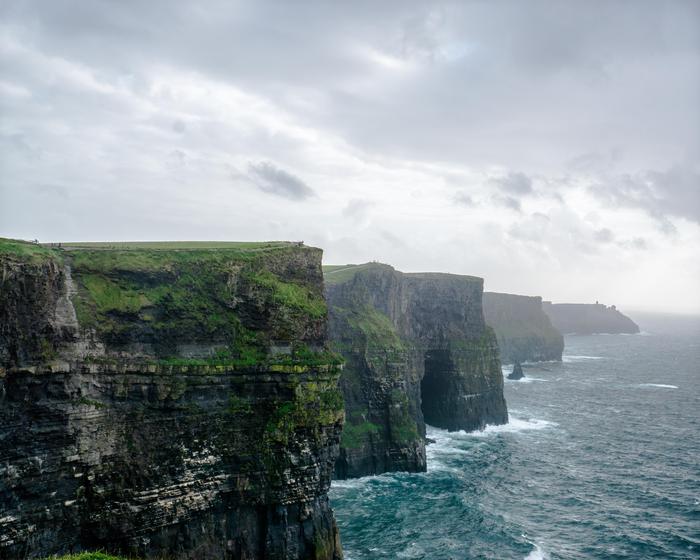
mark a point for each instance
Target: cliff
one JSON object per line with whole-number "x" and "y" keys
{"x": 166, "y": 400}
{"x": 524, "y": 332}
{"x": 417, "y": 350}
{"x": 588, "y": 318}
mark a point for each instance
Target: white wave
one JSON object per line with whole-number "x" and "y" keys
{"x": 445, "y": 440}
{"x": 570, "y": 358}
{"x": 537, "y": 554}
{"x": 350, "y": 483}
{"x": 662, "y": 385}
{"x": 515, "y": 425}
{"x": 525, "y": 379}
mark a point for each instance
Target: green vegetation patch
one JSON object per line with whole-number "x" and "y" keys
{"x": 189, "y": 302}
{"x": 339, "y": 274}
{"x": 316, "y": 404}
{"x": 167, "y": 296}
{"x": 354, "y": 435}
{"x": 401, "y": 424}
{"x": 375, "y": 326}
{"x": 26, "y": 250}
{"x": 291, "y": 294}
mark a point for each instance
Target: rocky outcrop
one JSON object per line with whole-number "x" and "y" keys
{"x": 166, "y": 401}
{"x": 517, "y": 372}
{"x": 523, "y": 330}
{"x": 417, "y": 350}
{"x": 588, "y": 318}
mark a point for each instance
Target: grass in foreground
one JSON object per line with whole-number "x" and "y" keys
{"x": 25, "y": 250}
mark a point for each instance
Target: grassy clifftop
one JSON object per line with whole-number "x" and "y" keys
{"x": 25, "y": 250}
{"x": 340, "y": 273}
{"x": 238, "y": 297}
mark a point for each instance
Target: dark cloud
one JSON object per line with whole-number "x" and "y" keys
{"x": 603, "y": 236}
{"x": 674, "y": 193}
{"x": 507, "y": 202}
{"x": 458, "y": 81}
{"x": 463, "y": 199}
{"x": 272, "y": 180}
{"x": 517, "y": 184}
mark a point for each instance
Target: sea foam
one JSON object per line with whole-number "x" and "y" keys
{"x": 570, "y": 358}
{"x": 662, "y": 385}
{"x": 537, "y": 554}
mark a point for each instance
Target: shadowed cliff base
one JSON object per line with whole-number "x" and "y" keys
{"x": 415, "y": 345}
{"x": 178, "y": 401}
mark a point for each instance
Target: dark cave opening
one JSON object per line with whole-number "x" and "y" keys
{"x": 436, "y": 386}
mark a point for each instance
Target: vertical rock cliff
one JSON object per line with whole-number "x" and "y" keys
{"x": 585, "y": 318}
{"x": 523, "y": 330}
{"x": 166, "y": 400}
{"x": 417, "y": 350}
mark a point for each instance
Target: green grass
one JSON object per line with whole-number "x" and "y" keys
{"x": 26, "y": 250}
{"x": 375, "y": 326}
{"x": 339, "y": 274}
{"x": 291, "y": 294}
{"x": 401, "y": 424}
{"x": 354, "y": 435}
{"x": 111, "y": 296}
{"x": 168, "y": 294}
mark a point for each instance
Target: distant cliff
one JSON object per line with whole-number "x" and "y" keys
{"x": 585, "y": 318}
{"x": 523, "y": 330}
{"x": 417, "y": 350}
{"x": 166, "y": 400}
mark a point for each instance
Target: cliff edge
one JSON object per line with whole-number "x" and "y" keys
{"x": 417, "y": 350}
{"x": 170, "y": 400}
{"x": 524, "y": 331}
{"x": 588, "y": 318}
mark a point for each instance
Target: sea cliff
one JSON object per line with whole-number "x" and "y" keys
{"x": 417, "y": 350}
{"x": 524, "y": 332}
{"x": 588, "y": 318}
{"x": 166, "y": 400}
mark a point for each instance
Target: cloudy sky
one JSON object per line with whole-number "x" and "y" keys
{"x": 551, "y": 147}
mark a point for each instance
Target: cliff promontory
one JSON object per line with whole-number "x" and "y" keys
{"x": 523, "y": 330}
{"x": 417, "y": 350}
{"x": 588, "y": 318}
{"x": 166, "y": 400}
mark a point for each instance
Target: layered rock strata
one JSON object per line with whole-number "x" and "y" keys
{"x": 166, "y": 400}
{"x": 417, "y": 350}
{"x": 524, "y": 331}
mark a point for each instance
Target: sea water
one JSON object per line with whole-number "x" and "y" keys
{"x": 600, "y": 459}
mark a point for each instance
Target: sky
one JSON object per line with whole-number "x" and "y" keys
{"x": 551, "y": 147}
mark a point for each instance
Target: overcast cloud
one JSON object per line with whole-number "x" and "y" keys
{"x": 551, "y": 147}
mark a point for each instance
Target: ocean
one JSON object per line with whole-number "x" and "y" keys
{"x": 601, "y": 459}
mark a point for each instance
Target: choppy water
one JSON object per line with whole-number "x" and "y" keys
{"x": 600, "y": 460}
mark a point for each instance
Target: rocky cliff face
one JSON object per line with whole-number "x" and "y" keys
{"x": 166, "y": 401}
{"x": 417, "y": 350}
{"x": 583, "y": 318}
{"x": 523, "y": 330}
